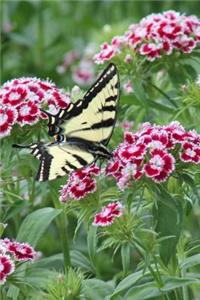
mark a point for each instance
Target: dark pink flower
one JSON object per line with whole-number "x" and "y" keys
{"x": 8, "y": 116}
{"x": 80, "y": 183}
{"x": 106, "y": 53}
{"x": 84, "y": 73}
{"x": 108, "y": 214}
{"x": 22, "y": 98}
{"x": 128, "y": 87}
{"x": 131, "y": 152}
{"x": 160, "y": 165}
{"x": 127, "y": 125}
{"x": 147, "y": 152}
{"x": 190, "y": 152}
{"x": 15, "y": 96}
{"x": 6, "y": 267}
{"x": 156, "y": 35}
{"x": 28, "y": 113}
{"x": 21, "y": 251}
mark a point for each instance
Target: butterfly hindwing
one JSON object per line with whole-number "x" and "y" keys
{"x": 57, "y": 160}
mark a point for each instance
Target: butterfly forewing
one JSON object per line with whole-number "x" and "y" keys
{"x": 93, "y": 118}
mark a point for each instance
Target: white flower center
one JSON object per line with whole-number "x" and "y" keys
{"x": 168, "y": 29}
{"x": 190, "y": 152}
{"x": 1, "y": 267}
{"x": 81, "y": 186}
{"x": 105, "y": 212}
{"x": 157, "y": 162}
{"x": 3, "y": 119}
{"x": 24, "y": 110}
{"x": 14, "y": 96}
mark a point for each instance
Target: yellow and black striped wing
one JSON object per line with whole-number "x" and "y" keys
{"x": 93, "y": 117}
{"x": 59, "y": 159}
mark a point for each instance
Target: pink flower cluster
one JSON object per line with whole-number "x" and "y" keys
{"x": 80, "y": 183}
{"x": 154, "y": 36}
{"x": 84, "y": 73}
{"x": 21, "y": 99}
{"x": 151, "y": 151}
{"x": 11, "y": 251}
{"x": 69, "y": 58}
{"x": 108, "y": 214}
{"x": 82, "y": 67}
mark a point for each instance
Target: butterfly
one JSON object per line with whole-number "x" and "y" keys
{"x": 81, "y": 131}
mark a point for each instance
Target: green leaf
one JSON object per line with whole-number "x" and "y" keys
{"x": 168, "y": 215}
{"x": 190, "y": 261}
{"x": 151, "y": 290}
{"x": 97, "y": 289}
{"x": 128, "y": 282}
{"x": 51, "y": 261}
{"x": 35, "y": 224}
{"x": 143, "y": 291}
{"x": 80, "y": 260}
{"x": 92, "y": 243}
{"x": 13, "y": 292}
{"x": 126, "y": 258}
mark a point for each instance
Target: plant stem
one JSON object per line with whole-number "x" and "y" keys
{"x": 170, "y": 100}
{"x": 62, "y": 227}
{"x": 64, "y": 241}
{"x": 184, "y": 288}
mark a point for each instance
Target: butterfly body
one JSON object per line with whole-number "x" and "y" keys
{"x": 82, "y": 131}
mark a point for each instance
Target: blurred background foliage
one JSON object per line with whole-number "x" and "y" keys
{"x": 36, "y": 34}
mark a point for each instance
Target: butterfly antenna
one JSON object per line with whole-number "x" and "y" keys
{"x": 46, "y": 112}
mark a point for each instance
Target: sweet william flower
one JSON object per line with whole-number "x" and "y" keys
{"x": 8, "y": 116}
{"x": 7, "y": 267}
{"x": 108, "y": 214}
{"x": 80, "y": 183}
{"x": 128, "y": 87}
{"x": 28, "y": 113}
{"x": 147, "y": 152}
{"x": 22, "y": 98}
{"x": 160, "y": 165}
{"x": 84, "y": 73}
{"x": 154, "y": 36}
{"x": 20, "y": 251}
{"x": 190, "y": 152}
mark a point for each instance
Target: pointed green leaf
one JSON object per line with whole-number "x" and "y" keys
{"x": 35, "y": 224}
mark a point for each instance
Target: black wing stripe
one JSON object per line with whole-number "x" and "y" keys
{"x": 111, "y": 98}
{"x": 102, "y": 124}
{"x": 107, "y": 108}
{"x": 82, "y": 161}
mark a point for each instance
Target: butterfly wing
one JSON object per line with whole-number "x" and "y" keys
{"x": 92, "y": 118}
{"x": 57, "y": 160}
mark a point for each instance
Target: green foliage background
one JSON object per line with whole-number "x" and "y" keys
{"x": 42, "y": 31}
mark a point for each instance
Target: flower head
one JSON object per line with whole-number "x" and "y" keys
{"x": 80, "y": 183}
{"x": 148, "y": 153}
{"x": 22, "y": 98}
{"x": 6, "y": 267}
{"x": 20, "y": 251}
{"x": 108, "y": 214}
{"x": 154, "y": 36}
{"x": 8, "y": 116}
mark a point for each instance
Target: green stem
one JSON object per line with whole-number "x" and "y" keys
{"x": 170, "y": 100}
{"x": 184, "y": 288}
{"x": 154, "y": 274}
{"x": 62, "y": 227}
